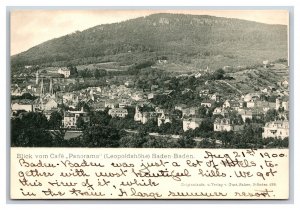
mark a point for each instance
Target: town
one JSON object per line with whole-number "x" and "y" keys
{"x": 144, "y": 106}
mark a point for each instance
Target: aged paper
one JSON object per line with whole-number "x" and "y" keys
{"x": 42, "y": 173}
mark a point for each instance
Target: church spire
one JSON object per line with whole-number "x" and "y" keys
{"x": 42, "y": 87}
{"x": 51, "y": 87}
{"x": 37, "y": 77}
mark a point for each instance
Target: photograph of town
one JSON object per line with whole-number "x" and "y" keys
{"x": 150, "y": 79}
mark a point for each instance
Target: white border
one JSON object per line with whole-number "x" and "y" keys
{"x": 5, "y": 3}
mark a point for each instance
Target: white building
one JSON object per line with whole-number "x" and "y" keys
{"x": 25, "y": 105}
{"x": 191, "y": 123}
{"x": 71, "y": 118}
{"x": 118, "y": 112}
{"x": 163, "y": 118}
{"x": 221, "y": 111}
{"x": 65, "y": 71}
{"x": 224, "y": 124}
{"x": 276, "y": 129}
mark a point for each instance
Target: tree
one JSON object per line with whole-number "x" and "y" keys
{"x": 207, "y": 143}
{"x": 55, "y": 120}
{"x": 133, "y": 141}
{"x": 31, "y": 131}
{"x": 202, "y": 111}
{"x": 73, "y": 70}
{"x": 186, "y": 142}
{"x": 101, "y": 136}
{"x": 100, "y": 118}
{"x": 98, "y": 73}
{"x": 83, "y": 105}
{"x": 271, "y": 115}
{"x": 80, "y": 123}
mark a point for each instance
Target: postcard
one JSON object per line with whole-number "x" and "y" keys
{"x": 149, "y": 104}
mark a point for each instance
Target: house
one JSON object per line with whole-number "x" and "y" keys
{"x": 282, "y": 103}
{"x": 118, "y": 112}
{"x": 98, "y": 106}
{"x": 144, "y": 113}
{"x": 50, "y": 104}
{"x": 180, "y": 107}
{"x": 191, "y": 123}
{"x": 129, "y": 83}
{"x": 264, "y": 105}
{"x": 163, "y": 118}
{"x": 197, "y": 75}
{"x": 276, "y": 129}
{"x": 192, "y": 111}
{"x": 204, "y": 92}
{"x": 251, "y": 114}
{"x": 231, "y": 104}
{"x": 111, "y": 103}
{"x": 216, "y": 97}
{"x": 285, "y": 83}
{"x": 207, "y": 103}
{"x": 138, "y": 116}
{"x": 146, "y": 116}
{"x": 71, "y": 118}
{"x": 124, "y": 102}
{"x": 225, "y": 124}
{"x": 251, "y": 97}
{"x": 64, "y": 71}
{"x": 137, "y": 96}
{"x": 221, "y": 111}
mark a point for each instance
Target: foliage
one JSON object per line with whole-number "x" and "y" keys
{"x": 101, "y": 136}
{"x": 55, "y": 120}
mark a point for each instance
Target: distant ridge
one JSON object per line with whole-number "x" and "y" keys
{"x": 193, "y": 40}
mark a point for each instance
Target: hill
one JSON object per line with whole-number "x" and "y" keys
{"x": 183, "y": 41}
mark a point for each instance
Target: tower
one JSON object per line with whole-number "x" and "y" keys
{"x": 37, "y": 77}
{"x": 42, "y": 88}
{"x": 51, "y": 87}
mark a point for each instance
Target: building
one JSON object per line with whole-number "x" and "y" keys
{"x": 25, "y": 105}
{"x": 192, "y": 111}
{"x": 111, "y": 103}
{"x": 98, "y": 106}
{"x": 163, "y": 118}
{"x": 207, "y": 103}
{"x": 124, "y": 102}
{"x": 191, "y": 123}
{"x": 285, "y": 84}
{"x": 231, "y": 104}
{"x": 282, "y": 103}
{"x": 71, "y": 118}
{"x": 276, "y": 129}
{"x": 221, "y": 111}
{"x": 146, "y": 116}
{"x": 64, "y": 71}
{"x": 180, "y": 107}
{"x": 225, "y": 124}
{"x": 50, "y": 104}
{"x": 251, "y": 114}
{"x": 216, "y": 97}
{"x": 118, "y": 112}
{"x": 204, "y": 92}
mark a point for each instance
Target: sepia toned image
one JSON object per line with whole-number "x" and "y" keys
{"x": 211, "y": 87}
{"x": 158, "y": 80}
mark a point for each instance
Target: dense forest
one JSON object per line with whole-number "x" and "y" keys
{"x": 186, "y": 39}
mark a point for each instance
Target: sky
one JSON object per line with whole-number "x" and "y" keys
{"x": 32, "y": 27}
